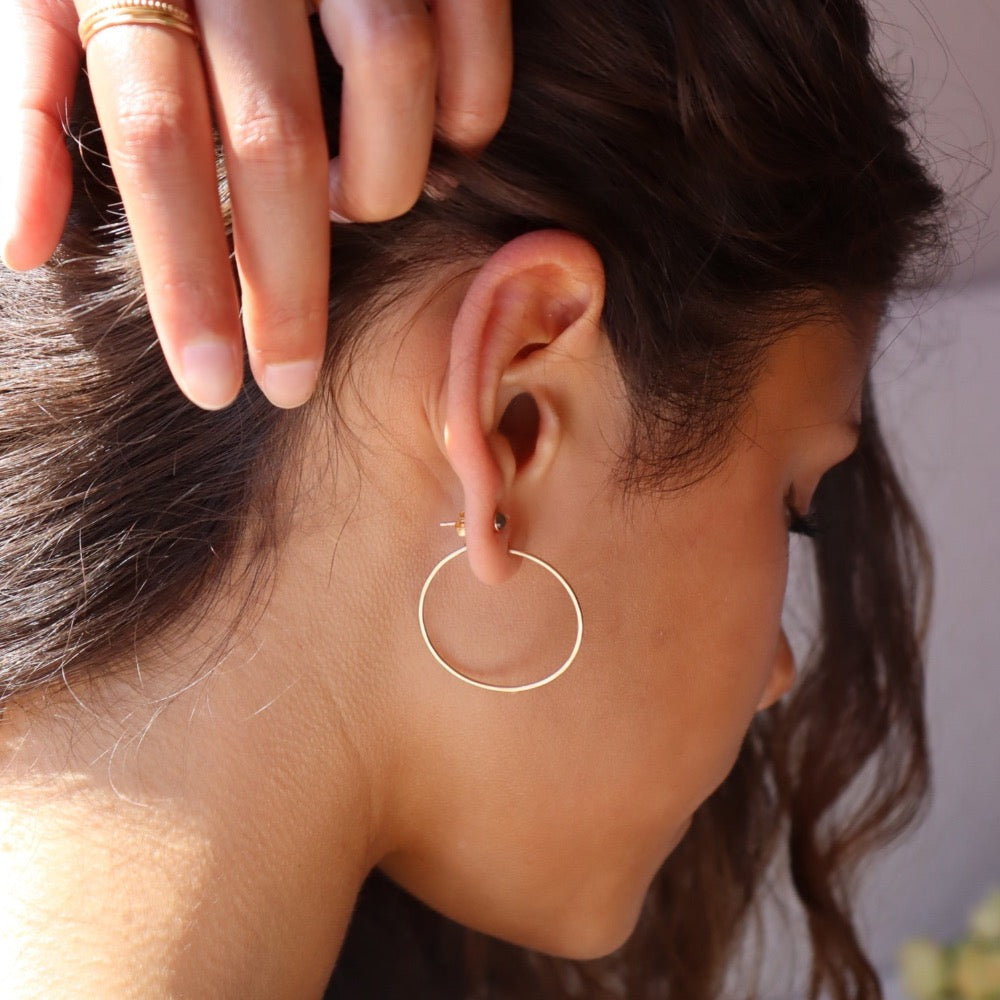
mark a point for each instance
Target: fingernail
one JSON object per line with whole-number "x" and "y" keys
{"x": 289, "y": 383}
{"x": 8, "y": 224}
{"x": 9, "y": 188}
{"x": 210, "y": 373}
{"x": 440, "y": 185}
{"x": 333, "y": 192}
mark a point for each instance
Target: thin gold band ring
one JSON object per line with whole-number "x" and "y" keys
{"x": 154, "y": 13}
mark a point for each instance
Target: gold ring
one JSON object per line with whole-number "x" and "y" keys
{"x": 157, "y": 13}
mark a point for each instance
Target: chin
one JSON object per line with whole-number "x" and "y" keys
{"x": 589, "y": 946}
{"x": 596, "y": 926}
{"x": 588, "y": 927}
{"x": 583, "y": 940}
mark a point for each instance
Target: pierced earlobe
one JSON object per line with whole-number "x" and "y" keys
{"x": 499, "y": 523}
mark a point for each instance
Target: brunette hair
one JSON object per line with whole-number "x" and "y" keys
{"x": 739, "y": 165}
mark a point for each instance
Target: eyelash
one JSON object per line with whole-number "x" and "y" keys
{"x": 803, "y": 524}
{"x": 807, "y": 524}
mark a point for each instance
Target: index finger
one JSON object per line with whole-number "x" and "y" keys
{"x": 150, "y": 96}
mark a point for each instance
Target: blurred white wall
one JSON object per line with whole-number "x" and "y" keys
{"x": 939, "y": 388}
{"x": 947, "y": 52}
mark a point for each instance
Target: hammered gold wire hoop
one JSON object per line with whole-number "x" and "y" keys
{"x": 151, "y": 13}
{"x": 482, "y": 685}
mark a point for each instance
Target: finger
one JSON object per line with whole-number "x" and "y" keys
{"x": 475, "y": 49}
{"x": 150, "y": 95}
{"x": 267, "y": 100}
{"x": 38, "y": 71}
{"x": 387, "y": 51}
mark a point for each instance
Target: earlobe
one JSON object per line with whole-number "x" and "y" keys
{"x": 529, "y": 315}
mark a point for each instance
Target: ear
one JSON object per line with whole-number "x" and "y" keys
{"x": 530, "y": 315}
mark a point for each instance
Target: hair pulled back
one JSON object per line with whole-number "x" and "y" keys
{"x": 740, "y": 165}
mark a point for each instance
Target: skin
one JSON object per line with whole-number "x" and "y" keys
{"x": 230, "y": 814}
{"x": 412, "y": 71}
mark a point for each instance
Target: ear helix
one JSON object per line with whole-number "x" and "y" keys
{"x": 499, "y": 523}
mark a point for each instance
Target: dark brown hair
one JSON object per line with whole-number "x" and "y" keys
{"x": 739, "y": 165}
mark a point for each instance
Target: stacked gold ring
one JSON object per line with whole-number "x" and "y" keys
{"x": 157, "y": 13}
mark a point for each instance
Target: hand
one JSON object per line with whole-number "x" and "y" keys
{"x": 408, "y": 67}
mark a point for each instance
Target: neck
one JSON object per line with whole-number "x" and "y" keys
{"x": 234, "y": 792}
{"x": 229, "y": 812}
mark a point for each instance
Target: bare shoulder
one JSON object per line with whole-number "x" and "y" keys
{"x": 93, "y": 884}
{"x": 141, "y": 857}
{"x": 73, "y": 921}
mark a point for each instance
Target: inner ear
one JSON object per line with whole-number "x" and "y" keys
{"x": 519, "y": 425}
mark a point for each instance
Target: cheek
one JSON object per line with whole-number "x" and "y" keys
{"x": 695, "y": 631}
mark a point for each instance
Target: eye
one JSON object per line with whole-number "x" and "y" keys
{"x": 803, "y": 524}
{"x": 798, "y": 523}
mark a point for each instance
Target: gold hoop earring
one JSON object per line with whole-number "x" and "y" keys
{"x": 499, "y": 522}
